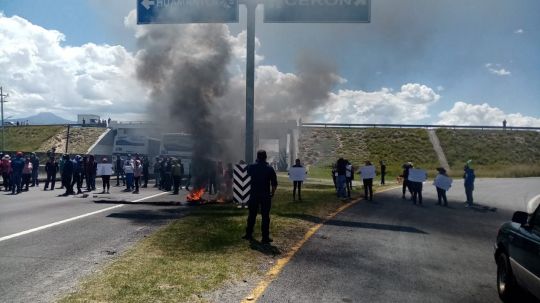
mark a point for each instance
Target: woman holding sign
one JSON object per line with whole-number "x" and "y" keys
{"x": 442, "y": 183}
{"x": 416, "y": 179}
{"x": 368, "y": 174}
{"x": 105, "y": 170}
{"x": 297, "y": 174}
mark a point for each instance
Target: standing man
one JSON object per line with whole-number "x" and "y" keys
{"x": 119, "y": 171}
{"x": 177, "y": 174}
{"x": 146, "y": 171}
{"x": 263, "y": 187}
{"x": 51, "y": 167}
{"x": 383, "y": 171}
{"x": 469, "y": 177}
{"x": 349, "y": 175}
{"x": 17, "y": 166}
{"x": 67, "y": 174}
{"x": 35, "y": 169}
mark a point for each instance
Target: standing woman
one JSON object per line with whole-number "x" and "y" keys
{"x": 368, "y": 174}
{"x": 297, "y": 174}
{"x": 105, "y": 170}
{"x": 6, "y": 172}
{"x": 442, "y": 183}
{"x": 27, "y": 173}
{"x": 128, "y": 171}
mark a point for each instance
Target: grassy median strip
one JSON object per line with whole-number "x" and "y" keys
{"x": 197, "y": 254}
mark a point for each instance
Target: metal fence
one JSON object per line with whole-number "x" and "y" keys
{"x": 426, "y": 126}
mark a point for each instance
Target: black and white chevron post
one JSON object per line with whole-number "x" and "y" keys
{"x": 242, "y": 184}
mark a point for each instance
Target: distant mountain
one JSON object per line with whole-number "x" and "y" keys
{"x": 43, "y": 118}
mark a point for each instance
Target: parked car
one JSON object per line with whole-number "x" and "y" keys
{"x": 517, "y": 253}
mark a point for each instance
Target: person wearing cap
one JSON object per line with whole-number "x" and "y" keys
{"x": 137, "y": 173}
{"x": 469, "y": 177}
{"x": 17, "y": 166}
{"x": 442, "y": 183}
{"x": 51, "y": 168}
{"x": 5, "y": 165}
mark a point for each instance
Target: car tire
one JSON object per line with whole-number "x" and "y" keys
{"x": 506, "y": 283}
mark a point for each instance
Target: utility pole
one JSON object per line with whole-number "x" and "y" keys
{"x": 67, "y": 138}
{"x": 2, "y": 110}
{"x": 251, "y": 7}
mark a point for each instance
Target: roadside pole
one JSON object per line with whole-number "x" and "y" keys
{"x": 67, "y": 138}
{"x": 2, "y": 110}
{"x": 251, "y": 7}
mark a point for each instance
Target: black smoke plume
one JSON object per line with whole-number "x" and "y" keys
{"x": 185, "y": 69}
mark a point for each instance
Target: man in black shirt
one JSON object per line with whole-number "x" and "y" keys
{"x": 263, "y": 187}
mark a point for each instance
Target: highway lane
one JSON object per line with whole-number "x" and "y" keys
{"x": 42, "y": 265}
{"x": 389, "y": 250}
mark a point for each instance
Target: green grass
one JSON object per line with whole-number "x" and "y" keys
{"x": 200, "y": 252}
{"x": 28, "y": 138}
{"x": 320, "y": 147}
{"x": 494, "y": 153}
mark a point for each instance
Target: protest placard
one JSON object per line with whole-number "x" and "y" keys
{"x": 297, "y": 173}
{"x": 367, "y": 172}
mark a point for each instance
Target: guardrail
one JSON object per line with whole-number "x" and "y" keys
{"x": 427, "y": 126}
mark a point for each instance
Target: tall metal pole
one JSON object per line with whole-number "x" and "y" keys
{"x": 67, "y": 139}
{"x": 2, "y": 110}
{"x": 250, "y": 79}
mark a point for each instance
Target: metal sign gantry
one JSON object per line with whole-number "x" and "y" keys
{"x": 226, "y": 11}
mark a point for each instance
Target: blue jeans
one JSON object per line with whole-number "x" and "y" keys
{"x": 129, "y": 180}
{"x": 341, "y": 180}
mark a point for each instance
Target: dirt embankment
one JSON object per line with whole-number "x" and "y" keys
{"x": 80, "y": 139}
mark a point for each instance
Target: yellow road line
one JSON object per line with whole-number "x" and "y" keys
{"x": 272, "y": 274}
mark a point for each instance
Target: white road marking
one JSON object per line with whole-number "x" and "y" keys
{"x": 72, "y": 219}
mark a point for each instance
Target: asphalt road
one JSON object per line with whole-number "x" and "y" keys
{"x": 389, "y": 250}
{"x": 40, "y": 265}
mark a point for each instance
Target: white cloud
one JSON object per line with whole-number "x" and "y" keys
{"x": 519, "y": 31}
{"x": 408, "y": 105}
{"x": 43, "y": 75}
{"x": 496, "y": 69}
{"x": 483, "y": 114}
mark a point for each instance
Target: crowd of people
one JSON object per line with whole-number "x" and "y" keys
{"x": 78, "y": 173}
{"x": 412, "y": 179}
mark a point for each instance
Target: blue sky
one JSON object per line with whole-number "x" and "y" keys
{"x": 482, "y": 54}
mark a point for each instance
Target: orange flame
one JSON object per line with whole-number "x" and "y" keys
{"x": 195, "y": 195}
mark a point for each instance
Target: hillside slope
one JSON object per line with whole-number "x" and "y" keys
{"x": 494, "y": 153}
{"x": 42, "y": 138}
{"x": 320, "y": 147}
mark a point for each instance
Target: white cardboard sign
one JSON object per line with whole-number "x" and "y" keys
{"x": 367, "y": 172}
{"x": 297, "y": 173}
{"x": 443, "y": 182}
{"x": 417, "y": 175}
{"x": 104, "y": 169}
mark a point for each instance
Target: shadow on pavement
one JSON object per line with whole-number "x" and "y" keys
{"x": 141, "y": 216}
{"x": 378, "y": 226}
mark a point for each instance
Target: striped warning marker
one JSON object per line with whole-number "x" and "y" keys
{"x": 242, "y": 184}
